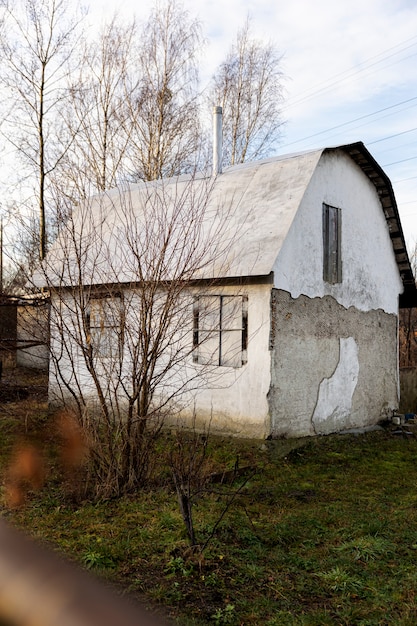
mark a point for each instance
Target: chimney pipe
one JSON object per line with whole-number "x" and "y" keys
{"x": 217, "y": 140}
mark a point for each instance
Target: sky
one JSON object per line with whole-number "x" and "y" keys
{"x": 350, "y": 73}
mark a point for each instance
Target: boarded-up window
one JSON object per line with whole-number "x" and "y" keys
{"x": 332, "y": 229}
{"x": 220, "y": 333}
{"x": 105, "y": 326}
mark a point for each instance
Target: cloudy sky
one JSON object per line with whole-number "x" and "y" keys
{"x": 350, "y": 67}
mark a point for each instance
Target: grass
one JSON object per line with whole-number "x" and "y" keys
{"x": 324, "y": 535}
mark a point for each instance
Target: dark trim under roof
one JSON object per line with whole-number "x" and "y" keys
{"x": 377, "y": 176}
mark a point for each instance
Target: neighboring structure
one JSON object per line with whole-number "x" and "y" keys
{"x": 297, "y": 314}
{"x": 33, "y": 332}
{"x": 7, "y": 333}
{"x": 24, "y": 331}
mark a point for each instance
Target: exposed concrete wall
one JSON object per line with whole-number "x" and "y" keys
{"x": 332, "y": 368}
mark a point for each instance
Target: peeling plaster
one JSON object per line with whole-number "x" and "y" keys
{"x": 306, "y": 351}
{"x": 335, "y": 395}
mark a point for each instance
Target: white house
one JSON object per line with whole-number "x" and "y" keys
{"x": 289, "y": 324}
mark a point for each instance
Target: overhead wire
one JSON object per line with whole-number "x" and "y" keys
{"x": 349, "y": 73}
{"x": 404, "y": 132}
{"x": 375, "y": 62}
{"x": 357, "y": 119}
{"x": 377, "y": 59}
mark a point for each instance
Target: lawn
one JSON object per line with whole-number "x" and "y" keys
{"x": 325, "y": 533}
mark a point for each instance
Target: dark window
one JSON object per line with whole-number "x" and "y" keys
{"x": 220, "y": 330}
{"x": 332, "y": 259}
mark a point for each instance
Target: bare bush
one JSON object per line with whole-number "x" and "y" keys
{"x": 120, "y": 278}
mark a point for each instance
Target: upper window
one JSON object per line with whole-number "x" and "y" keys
{"x": 104, "y": 320}
{"x": 220, "y": 332}
{"x": 332, "y": 245}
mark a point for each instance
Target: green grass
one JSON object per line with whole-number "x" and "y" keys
{"x": 325, "y": 535}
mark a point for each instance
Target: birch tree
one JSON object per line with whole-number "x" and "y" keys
{"x": 96, "y": 114}
{"x": 249, "y": 87}
{"x": 36, "y": 45}
{"x": 162, "y": 123}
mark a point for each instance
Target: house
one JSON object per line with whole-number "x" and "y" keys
{"x": 290, "y": 321}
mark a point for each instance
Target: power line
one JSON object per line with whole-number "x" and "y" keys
{"x": 404, "y": 132}
{"x": 357, "y": 119}
{"x": 402, "y": 161}
{"x": 349, "y": 73}
{"x": 402, "y": 180}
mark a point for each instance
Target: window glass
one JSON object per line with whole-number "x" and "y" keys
{"x": 220, "y": 330}
{"x": 332, "y": 260}
{"x": 105, "y": 322}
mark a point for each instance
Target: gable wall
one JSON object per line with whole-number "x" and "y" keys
{"x": 334, "y": 359}
{"x": 370, "y": 275}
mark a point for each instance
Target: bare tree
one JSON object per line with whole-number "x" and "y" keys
{"x": 162, "y": 124}
{"x": 95, "y": 118}
{"x": 248, "y": 85}
{"x": 36, "y": 44}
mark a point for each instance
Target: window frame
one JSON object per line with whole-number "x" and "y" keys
{"x": 99, "y": 335}
{"x": 332, "y": 244}
{"x": 221, "y": 331}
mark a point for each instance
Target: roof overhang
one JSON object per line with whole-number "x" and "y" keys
{"x": 363, "y": 158}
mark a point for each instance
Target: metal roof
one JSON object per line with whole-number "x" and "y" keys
{"x": 250, "y": 207}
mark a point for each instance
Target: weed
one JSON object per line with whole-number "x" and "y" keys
{"x": 224, "y": 615}
{"x": 367, "y": 548}
{"x": 97, "y": 560}
{"x": 177, "y": 565}
{"x": 175, "y": 594}
{"x": 211, "y": 580}
{"x": 252, "y": 571}
{"x": 340, "y": 581}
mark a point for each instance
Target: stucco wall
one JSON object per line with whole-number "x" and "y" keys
{"x": 332, "y": 368}
{"x": 233, "y": 401}
{"x": 370, "y": 277}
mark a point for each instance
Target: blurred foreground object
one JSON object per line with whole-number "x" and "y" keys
{"x": 37, "y": 588}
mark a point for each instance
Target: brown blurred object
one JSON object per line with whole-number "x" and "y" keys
{"x": 26, "y": 471}
{"x": 37, "y": 588}
{"x": 74, "y": 447}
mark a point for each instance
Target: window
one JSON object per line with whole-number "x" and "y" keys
{"x": 332, "y": 251}
{"x": 104, "y": 320}
{"x": 220, "y": 332}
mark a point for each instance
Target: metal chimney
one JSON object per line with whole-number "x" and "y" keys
{"x": 217, "y": 140}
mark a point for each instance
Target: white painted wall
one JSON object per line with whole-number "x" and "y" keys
{"x": 370, "y": 274}
{"x": 234, "y": 401}
{"x": 237, "y": 404}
